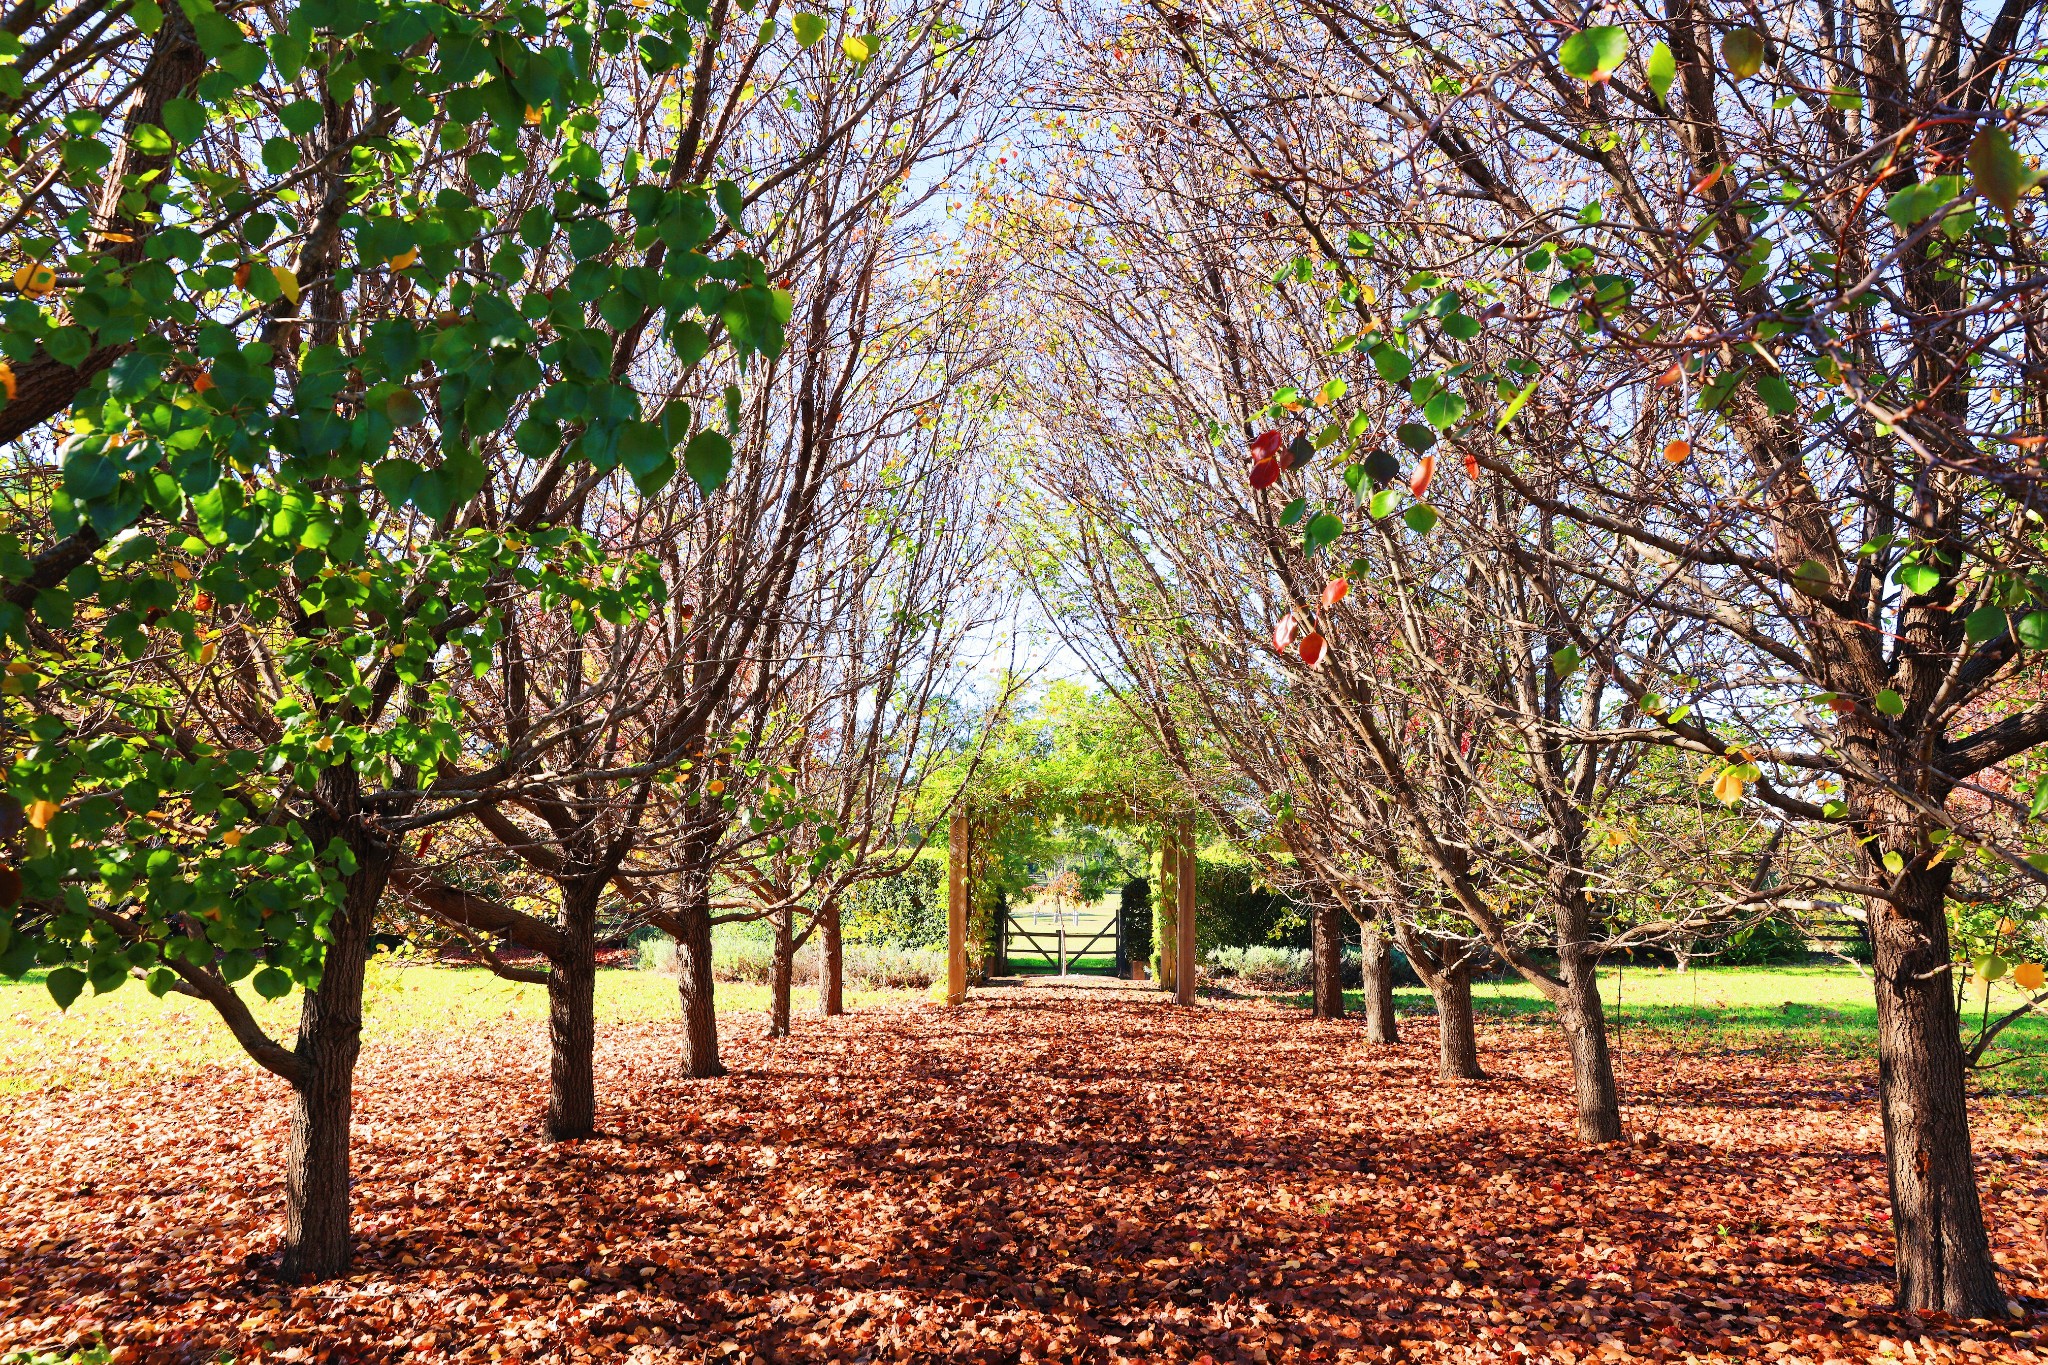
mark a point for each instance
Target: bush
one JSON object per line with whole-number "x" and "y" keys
{"x": 751, "y": 958}
{"x": 1768, "y": 940}
{"x": 1262, "y": 967}
{"x": 907, "y": 910}
{"x": 1230, "y": 910}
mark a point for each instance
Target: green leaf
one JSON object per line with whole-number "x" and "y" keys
{"x": 1742, "y": 52}
{"x": 184, "y": 119}
{"x": 2000, "y": 174}
{"x": 1984, "y": 624}
{"x": 1777, "y": 394}
{"x": 809, "y": 29}
{"x": 1920, "y": 579}
{"x": 1382, "y": 504}
{"x": 1445, "y": 410}
{"x": 1894, "y": 863}
{"x": 1507, "y": 414}
{"x": 1915, "y": 203}
{"x": 1565, "y": 662}
{"x": 2032, "y": 630}
{"x": 1891, "y": 703}
{"x": 272, "y": 984}
{"x": 1421, "y": 518}
{"x": 1295, "y": 511}
{"x": 1659, "y": 69}
{"x": 64, "y": 984}
{"x": 707, "y": 459}
{"x": 1591, "y": 53}
{"x": 1323, "y": 529}
{"x": 731, "y": 204}
{"x": 1392, "y": 363}
{"x": 1415, "y": 436}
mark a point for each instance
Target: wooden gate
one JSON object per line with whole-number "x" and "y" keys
{"x": 1063, "y": 947}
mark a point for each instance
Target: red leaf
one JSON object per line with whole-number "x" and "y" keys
{"x": 1334, "y": 591}
{"x": 1312, "y": 648}
{"x": 1471, "y": 466}
{"x": 1266, "y": 473}
{"x": 1266, "y": 444}
{"x": 1424, "y": 472}
{"x": 1284, "y": 632}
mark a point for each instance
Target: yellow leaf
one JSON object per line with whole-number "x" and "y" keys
{"x": 206, "y": 652}
{"x": 1728, "y": 787}
{"x": 35, "y": 279}
{"x": 324, "y": 744}
{"x": 232, "y": 838}
{"x": 856, "y": 48}
{"x": 405, "y": 258}
{"x": 715, "y": 786}
{"x": 115, "y": 237}
{"x": 181, "y": 571}
{"x": 40, "y": 813}
{"x": 287, "y": 281}
{"x": 2029, "y": 976}
{"x": 7, "y": 380}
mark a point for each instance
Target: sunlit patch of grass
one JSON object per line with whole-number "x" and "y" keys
{"x": 1774, "y": 1009}
{"x": 129, "y": 1036}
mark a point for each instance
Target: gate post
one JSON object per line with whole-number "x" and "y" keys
{"x": 956, "y": 912}
{"x": 1184, "y": 915}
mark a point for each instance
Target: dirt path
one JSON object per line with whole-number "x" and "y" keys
{"x": 1057, "y": 1171}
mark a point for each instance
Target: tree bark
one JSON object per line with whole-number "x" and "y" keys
{"x": 1326, "y": 951}
{"x": 316, "y": 1184}
{"x": 572, "y": 1019}
{"x": 1944, "y": 1256}
{"x": 1457, "y": 1045}
{"x": 1377, "y": 957}
{"x": 782, "y": 969}
{"x": 1585, "y": 1036}
{"x": 693, "y": 981}
{"x": 831, "y": 963}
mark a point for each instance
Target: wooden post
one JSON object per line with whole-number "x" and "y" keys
{"x": 1162, "y": 906}
{"x": 1184, "y": 916}
{"x": 956, "y": 913}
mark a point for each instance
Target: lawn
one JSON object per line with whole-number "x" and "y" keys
{"x": 128, "y": 1035}
{"x": 1778, "y": 1009}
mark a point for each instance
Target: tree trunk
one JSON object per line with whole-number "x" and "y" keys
{"x": 1377, "y": 957}
{"x": 831, "y": 963}
{"x": 572, "y": 1019}
{"x": 1585, "y": 1036}
{"x": 780, "y": 972}
{"x": 693, "y": 981}
{"x": 1457, "y": 1045}
{"x": 1326, "y": 951}
{"x": 316, "y": 1181}
{"x": 1944, "y": 1256}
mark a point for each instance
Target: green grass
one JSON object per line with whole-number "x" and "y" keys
{"x": 129, "y": 1035}
{"x": 1827, "y": 1009}
{"x": 1031, "y": 964}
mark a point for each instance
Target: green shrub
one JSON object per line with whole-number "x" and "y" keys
{"x": 907, "y": 910}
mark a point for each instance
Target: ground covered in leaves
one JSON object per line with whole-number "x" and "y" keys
{"x": 1043, "y": 1175}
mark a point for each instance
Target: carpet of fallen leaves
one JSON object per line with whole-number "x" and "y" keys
{"x": 1043, "y": 1175}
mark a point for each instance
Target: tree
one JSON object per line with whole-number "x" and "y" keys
{"x": 282, "y": 520}
{"x": 1785, "y": 407}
